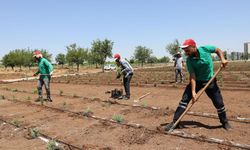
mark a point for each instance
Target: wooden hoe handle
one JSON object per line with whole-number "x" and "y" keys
{"x": 197, "y": 97}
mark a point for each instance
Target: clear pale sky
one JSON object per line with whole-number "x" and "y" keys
{"x": 55, "y": 24}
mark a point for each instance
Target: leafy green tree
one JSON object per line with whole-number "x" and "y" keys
{"x": 132, "y": 60}
{"x": 46, "y": 54}
{"x": 92, "y": 58}
{"x": 142, "y": 54}
{"x": 28, "y": 58}
{"x": 101, "y": 50}
{"x": 61, "y": 59}
{"x": 152, "y": 59}
{"x": 225, "y": 54}
{"x": 164, "y": 59}
{"x": 173, "y": 48}
{"x": 76, "y": 55}
{"x": 7, "y": 61}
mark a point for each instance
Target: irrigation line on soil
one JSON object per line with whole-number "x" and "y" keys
{"x": 200, "y": 114}
{"x": 182, "y": 134}
{"x": 44, "y": 137}
{"x": 35, "y": 78}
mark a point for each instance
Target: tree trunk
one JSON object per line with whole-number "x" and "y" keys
{"x": 78, "y": 67}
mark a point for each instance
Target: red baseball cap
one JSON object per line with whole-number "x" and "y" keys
{"x": 117, "y": 56}
{"x": 188, "y": 42}
{"x": 37, "y": 53}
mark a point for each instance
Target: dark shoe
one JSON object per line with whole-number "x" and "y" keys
{"x": 226, "y": 126}
{"x": 126, "y": 97}
{"x": 169, "y": 126}
{"x": 49, "y": 99}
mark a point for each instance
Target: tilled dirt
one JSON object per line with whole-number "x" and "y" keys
{"x": 63, "y": 118}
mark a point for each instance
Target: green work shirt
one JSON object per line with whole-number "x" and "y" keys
{"x": 44, "y": 68}
{"x": 202, "y": 66}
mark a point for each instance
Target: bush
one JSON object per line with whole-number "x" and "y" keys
{"x": 117, "y": 118}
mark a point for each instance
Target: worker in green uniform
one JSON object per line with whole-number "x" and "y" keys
{"x": 201, "y": 70}
{"x": 45, "y": 70}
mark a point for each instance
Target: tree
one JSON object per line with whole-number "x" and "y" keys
{"x": 100, "y": 50}
{"x": 46, "y": 54}
{"x": 142, "y": 54}
{"x": 61, "y": 59}
{"x": 76, "y": 55}
{"x": 225, "y": 54}
{"x": 7, "y": 61}
{"x": 132, "y": 60}
{"x": 29, "y": 60}
{"x": 152, "y": 59}
{"x": 173, "y": 48}
{"x": 164, "y": 59}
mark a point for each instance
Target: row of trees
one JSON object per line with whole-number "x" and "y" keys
{"x": 22, "y": 57}
{"x": 97, "y": 54}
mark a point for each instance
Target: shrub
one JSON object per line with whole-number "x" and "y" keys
{"x": 61, "y": 92}
{"x": 87, "y": 112}
{"x": 16, "y": 123}
{"x": 51, "y": 145}
{"x": 2, "y": 97}
{"x": 34, "y": 133}
{"x": 117, "y": 118}
{"x": 35, "y": 91}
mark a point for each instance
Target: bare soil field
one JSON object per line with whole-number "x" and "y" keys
{"x": 83, "y": 116}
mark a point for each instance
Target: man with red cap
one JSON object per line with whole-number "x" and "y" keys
{"x": 201, "y": 70}
{"x": 127, "y": 72}
{"x": 45, "y": 69}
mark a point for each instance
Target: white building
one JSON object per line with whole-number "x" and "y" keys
{"x": 246, "y": 50}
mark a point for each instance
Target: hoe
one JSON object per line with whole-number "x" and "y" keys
{"x": 193, "y": 101}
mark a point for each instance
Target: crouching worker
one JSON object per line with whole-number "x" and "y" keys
{"x": 127, "y": 71}
{"x": 201, "y": 70}
{"x": 45, "y": 69}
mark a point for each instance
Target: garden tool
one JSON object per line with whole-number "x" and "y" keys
{"x": 194, "y": 100}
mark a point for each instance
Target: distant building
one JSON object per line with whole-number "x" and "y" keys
{"x": 246, "y": 50}
{"x": 237, "y": 55}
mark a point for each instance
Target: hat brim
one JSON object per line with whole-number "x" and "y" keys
{"x": 184, "y": 46}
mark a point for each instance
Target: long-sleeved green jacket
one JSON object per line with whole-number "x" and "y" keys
{"x": 44, "y": 68}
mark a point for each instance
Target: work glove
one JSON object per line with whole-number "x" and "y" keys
{"x": 34, "y": 75}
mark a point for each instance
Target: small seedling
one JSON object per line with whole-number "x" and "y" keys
{"x": 28, "y": 98}
{"x": 35, "y": 91}
{"x": 61, "y": 92}
{"x": 51, "y": 145}
{"x": 117, "y": 118}
{"x": 144, "y": 104}
{"x": 75, "y": 96}
{"x": 87, "y": 112}
{"x": 34, "y": 133}
{"x": 13, "y": 97}
{"x": 6, "y": 88}
{"x": 64, "y": 105}
{"x": 41, "y": 101}
{"x": 2, "y": 97}
{"x": 15, "y": 90}
{"x": 16, "y": 123}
